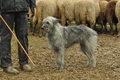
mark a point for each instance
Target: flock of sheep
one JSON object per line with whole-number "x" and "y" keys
{"x": 87, "y": 12}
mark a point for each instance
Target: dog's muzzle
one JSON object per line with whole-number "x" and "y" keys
{"x": 42, "y": 28}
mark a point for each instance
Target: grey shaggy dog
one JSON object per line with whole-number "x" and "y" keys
{"x": 61, "y": 37}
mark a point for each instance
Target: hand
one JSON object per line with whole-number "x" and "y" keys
{"x": 0, "y": 11}
{"x": 34, "y": 11}
{"x": 0, "y": 7}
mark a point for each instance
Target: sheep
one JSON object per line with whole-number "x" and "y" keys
{"x": 117, "y": 13}
{"x": 66, "y": 10}
{"x": 101, "y": 18}
{"x": 86, "y": 12}
{"x": 44, "y": 8}
{"x": 110, "y": 15}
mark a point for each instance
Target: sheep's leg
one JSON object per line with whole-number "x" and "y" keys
{"x": 40, "y": 33}
{"x": 34, "y": 23}
{"x": 92, "y": 23}
{"x": 95, "y": 28}
{"x": 77, "y": 21}
{"x": 64, "y": 21}
{"x": 83, "y": 22}
{"x": 102, "y": 29}
{"x": 63, "y": 18}
{"x": 69, "y": 22}
{"x": 39, "y": 26}
{"x": 105, "y": 27}
{"x": 116, "y": 30}
{"x": 34, "y": 27}
{"x": 111, "y": 29}
{"x": 118, "y": 35}
{"x": 31, "y": 25}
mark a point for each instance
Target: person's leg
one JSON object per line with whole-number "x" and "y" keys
{"x": 6, "y": 36}
{"x": 21, "y": 30}
{"x": 0, "y": 40}
{"x": 5, "y": 43}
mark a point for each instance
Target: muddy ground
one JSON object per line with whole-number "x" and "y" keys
{"x": 107, "y": 53}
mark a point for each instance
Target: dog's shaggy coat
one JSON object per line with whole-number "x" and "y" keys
{"x": 60, "y": 37}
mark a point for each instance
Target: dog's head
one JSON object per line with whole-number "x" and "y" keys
{"x": 49, "y": 23}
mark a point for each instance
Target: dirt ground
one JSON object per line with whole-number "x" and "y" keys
{"x": 107, "y": 53}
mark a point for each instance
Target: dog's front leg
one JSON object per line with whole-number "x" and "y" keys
{"x": 60, "y": 59}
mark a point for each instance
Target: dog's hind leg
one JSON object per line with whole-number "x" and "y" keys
{"x": 88, "y": 49}
{"x": 84, "y": 49}
{"x": 91, "y": 45}
{"x": 93, "y": 60}
{"x": 59, "y": 59}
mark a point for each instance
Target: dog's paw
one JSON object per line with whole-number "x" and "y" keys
{"x": 93, "y": 66}
{"x": 59, "y": 68}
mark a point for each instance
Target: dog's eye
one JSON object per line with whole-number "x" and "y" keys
{"x": 48, "y": 23}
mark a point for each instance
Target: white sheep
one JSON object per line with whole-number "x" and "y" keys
{"x": 44, "y": 8}
{"x": 66, "y": 10}
{"x": 117, "y": 10}
{"x": 86, "y": 12}
{"x": 117, "y": 13}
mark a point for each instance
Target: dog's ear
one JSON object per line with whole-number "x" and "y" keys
{"x": 57, "y": 21}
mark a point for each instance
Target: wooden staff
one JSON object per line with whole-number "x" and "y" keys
{"x": 17, "y": 39}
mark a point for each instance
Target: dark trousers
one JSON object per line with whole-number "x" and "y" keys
{"x": 21, "y": 31}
